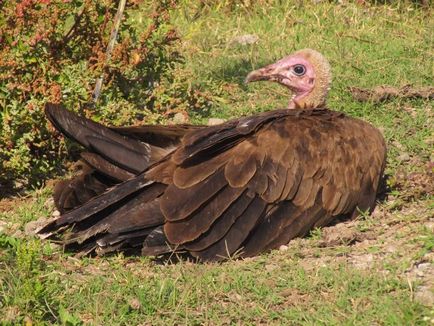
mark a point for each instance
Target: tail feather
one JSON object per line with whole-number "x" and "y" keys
{"x": 138, "y": 213}
{"x": 81, "y": 130}
{"x": 105, "y": 167}
{"x": 156, "y": 243}
{"x": 121, "y": 218}
{"x": 109, "y": 198}
{"x": 115, "y": 152}
{"x": 130, "y": 243}
{"x": 114, "y": 239}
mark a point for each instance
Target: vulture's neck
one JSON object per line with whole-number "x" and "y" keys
{"x": 310, "y": 100}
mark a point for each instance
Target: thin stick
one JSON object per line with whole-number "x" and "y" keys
{"x": 110, "y": 46}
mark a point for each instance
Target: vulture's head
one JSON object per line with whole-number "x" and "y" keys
{"x": 305, "y": 72}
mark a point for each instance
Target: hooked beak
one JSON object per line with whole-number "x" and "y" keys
{"x": 271, "y": 72}
{"x": 266, "y": 73}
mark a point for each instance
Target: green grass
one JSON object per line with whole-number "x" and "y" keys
{"x": 309, "y": 283}
{"x": 306, "y": 284}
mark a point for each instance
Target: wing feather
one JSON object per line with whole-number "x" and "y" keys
{"x": 236, "y": 235}
{"x": 222, "y": 225}
{"x": 105, "y": 167}
{"x": 178, "y": 204}
{"x": 269, "y": 228}
{"x": 189, "y": 229}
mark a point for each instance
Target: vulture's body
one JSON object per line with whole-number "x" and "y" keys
{"x": 245, "y": 186}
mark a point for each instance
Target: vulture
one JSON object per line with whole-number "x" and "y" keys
{"x": 240, "y": 188}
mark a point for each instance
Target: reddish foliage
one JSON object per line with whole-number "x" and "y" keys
{"x": 54, "y": 50}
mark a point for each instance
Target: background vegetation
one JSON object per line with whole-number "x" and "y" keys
{"x": 55, "y": 51}
{"x": 190, "y": 57}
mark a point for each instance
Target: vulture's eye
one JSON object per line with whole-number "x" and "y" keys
{"x": 299, "y": 70}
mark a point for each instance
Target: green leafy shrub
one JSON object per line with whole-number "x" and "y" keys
{"x": 54, "y": 50}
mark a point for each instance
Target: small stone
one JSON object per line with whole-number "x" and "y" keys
{"x": 397, "y": 144}
{"x": 29, "y": 228}
{"x": 32, "y": 227}
{"x": 424, "y": 295}
{"x": 245, "y": 39}
{"x": 270, "y": 267}
{"x": 215, "y": 121}
{"x": 180, "y": 118}
{"x": 18, "y": 234}
{"x": 404, "y": 157}
{"x": 135, "y": 304}
{"x": 234, "y": 297}
{"x": 340, "y": 234}
{"x": 391, "y": 248}
{"x": 429, "y": 141}
{"x": 237, "y": 297}
{"x": 422, "y": 268}
{"x": 18, "y": 184}
{"x": 54, "y": 246}
{"x": 429, "y": 225}
{"x": 49, "y": 201}
{"x": 3, "y": 226}
{"x": 363, "y": 261}
{"x": 56, "y": 213}
{"x": 283, "y": 248}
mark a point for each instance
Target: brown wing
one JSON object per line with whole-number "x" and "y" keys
{"x": 260, "y": 181}
{"x": 157, "y": 135}
{"x": 112, "y": 154}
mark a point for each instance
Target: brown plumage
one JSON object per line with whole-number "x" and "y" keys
{"x": 246, "y": 186}
{"x": 113, "y": 155}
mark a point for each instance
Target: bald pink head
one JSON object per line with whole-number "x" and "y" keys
{"x": 306, "y": 73}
